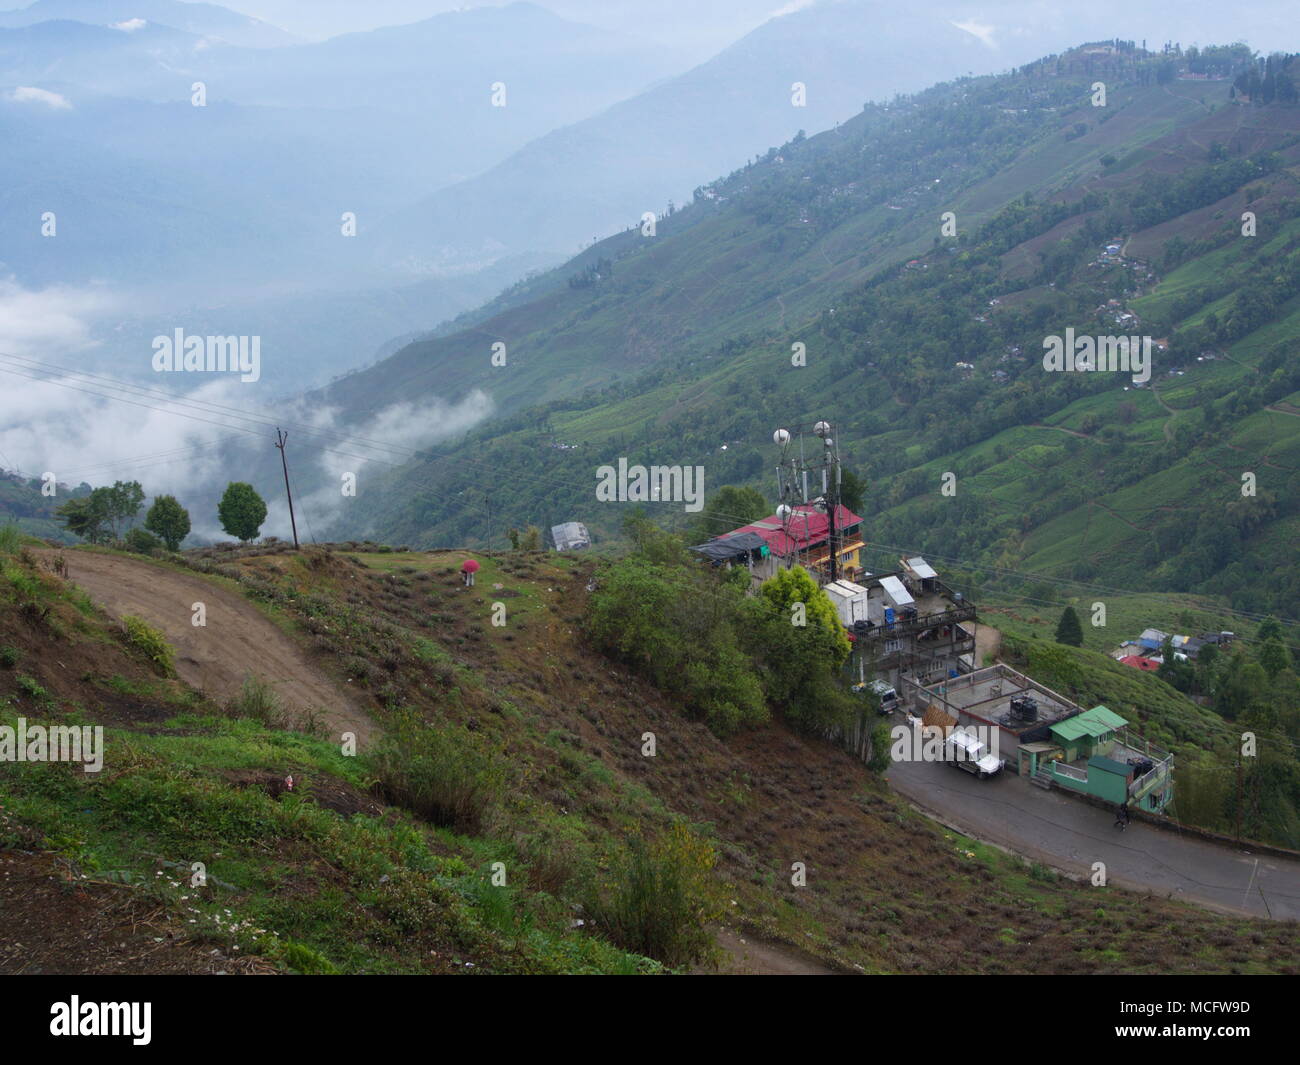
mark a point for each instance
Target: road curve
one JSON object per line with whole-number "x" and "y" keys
{"x": 1070, "y": 834}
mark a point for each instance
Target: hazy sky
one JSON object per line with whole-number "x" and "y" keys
{"x": 706, "y": 26}
{"x": 699, "y": 24}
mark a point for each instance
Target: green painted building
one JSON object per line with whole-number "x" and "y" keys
{"x": 1093, "y": 753}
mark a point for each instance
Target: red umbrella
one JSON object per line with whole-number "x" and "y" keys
{"x": 469, "y": 566}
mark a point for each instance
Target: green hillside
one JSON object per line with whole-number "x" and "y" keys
{"x": 678, "y": 350}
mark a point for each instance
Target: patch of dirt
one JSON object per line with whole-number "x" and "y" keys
{"x": 237, "y": 639}
{"x": 743, "y": 955}
{"x": 61, "y": 926}
{"x": 322, "y": 790}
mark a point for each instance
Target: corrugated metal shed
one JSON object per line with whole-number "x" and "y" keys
{"x": 921, "y": 568}
{"x": 894, "y": 589}
{"x": 1073, "y": 728}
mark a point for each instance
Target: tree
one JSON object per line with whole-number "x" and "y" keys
{"x": 84, "y": 517}
{"x": 799, "y": 645}
{"x": 853, "y": 491}
{"x": 1068, "y": 630}
{"x": 120, "y": 504}
{"x": 241, "y": 511}
{"x": 168, "y": 520}
{"x": 731, "y": 507}
{"x": 1269, "y": 629}
{"x": 1273, "y": 656}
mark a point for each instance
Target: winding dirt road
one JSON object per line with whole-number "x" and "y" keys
{"x": 237, "y": 640}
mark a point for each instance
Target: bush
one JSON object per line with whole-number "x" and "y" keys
{"x": 678, "y": 628}
{"x": 303, "y": 959}
{"x": 446, "y": 775}
{"x": 8, "y": 657}
{"x": 10, "y": 538}
{"x": 661, "y": 898}
{"x": 259, "y": 701}
{"x": 142, "y": 542}
{"x": 30, "y": 687}
{"x": 151, "y": 643}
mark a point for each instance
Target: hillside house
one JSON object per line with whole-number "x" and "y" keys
{"x": 916, "y": 627}
{"x": 1051, "y": 740}
{"x": 802, "y": 538}
{"x": 570, "y": 536}
{"x": 1018, "y": 707}
{"x": 1095, "y": 755}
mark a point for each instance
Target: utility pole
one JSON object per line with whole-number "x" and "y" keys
{"x": 1239, "y": 799}
{"x": 833, "y": 504}
{"x": 280, "y": 439}
{"x": 792, "y": 484}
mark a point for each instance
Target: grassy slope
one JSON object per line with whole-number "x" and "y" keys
{"x": 367, "y": 887}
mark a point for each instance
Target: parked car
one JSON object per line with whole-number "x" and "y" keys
{"x": 887, "y": 696}
{"x": 967, "y": 751}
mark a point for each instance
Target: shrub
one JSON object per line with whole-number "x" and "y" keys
{"x": 661, "y": 898}
{"x": 33, "y": 690}
{"x": 10, "y": 538}
{"x": 142, "y": 542}
{"x": 8, "y": 657}
{"x": 151, "y": 643}
{"x": 303, "y": 959}
{"x": 446, "y": 775}
{"x": 259, "y": 701}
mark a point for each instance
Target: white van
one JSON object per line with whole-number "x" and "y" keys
{"x": 888, "y": 697}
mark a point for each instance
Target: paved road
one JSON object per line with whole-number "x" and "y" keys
{"x": 1070, "y": 834}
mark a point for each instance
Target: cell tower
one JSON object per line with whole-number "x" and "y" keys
{"x": 809, "y": 460}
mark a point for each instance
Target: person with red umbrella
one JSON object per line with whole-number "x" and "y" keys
{"x": 467, "y": 570}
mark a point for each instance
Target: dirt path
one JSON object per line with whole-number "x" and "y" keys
{"x": 747, "y": 956}
{"x": 988, "y": 642}
{"x": 237, "y": 639}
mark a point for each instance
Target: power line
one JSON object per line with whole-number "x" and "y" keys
{"x": 409, "y": 453}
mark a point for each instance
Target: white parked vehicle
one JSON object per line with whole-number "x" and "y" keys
{"x": 887, "y": 696}
{"x": 967, "y": 751}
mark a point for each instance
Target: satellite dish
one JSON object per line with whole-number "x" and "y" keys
{"x": 822, "y": 428}
{"x": 781, "y": 436}
{"x": 783, "y": 512}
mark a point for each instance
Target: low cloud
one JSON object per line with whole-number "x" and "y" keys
{"x": 791, "y": 8}
{"x": 86, "y": 430}
{"x": 55, "y": 320}
{"x": 391, "y": 436}
{"x": 130, "y": 25}
{"x": 980, "y": 30}
{"x": 29, "y": 94}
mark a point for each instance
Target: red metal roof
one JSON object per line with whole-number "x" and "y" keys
{"x": 807, "y": 527}
{"x": 1138, "y": 662}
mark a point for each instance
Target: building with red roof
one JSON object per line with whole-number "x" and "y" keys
{"x": 1138, "y": 662}
{"x": 803, "y": 538}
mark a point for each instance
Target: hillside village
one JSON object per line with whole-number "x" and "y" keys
{"x": 914, "y": 651}
{"x": 485, "y": 710}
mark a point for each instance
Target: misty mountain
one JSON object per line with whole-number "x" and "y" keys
{"x": 925, "y": 348}
{"x": 600, "y": 175}
{"x": 203, "y": 20}
{"x": 216, "y": 211}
